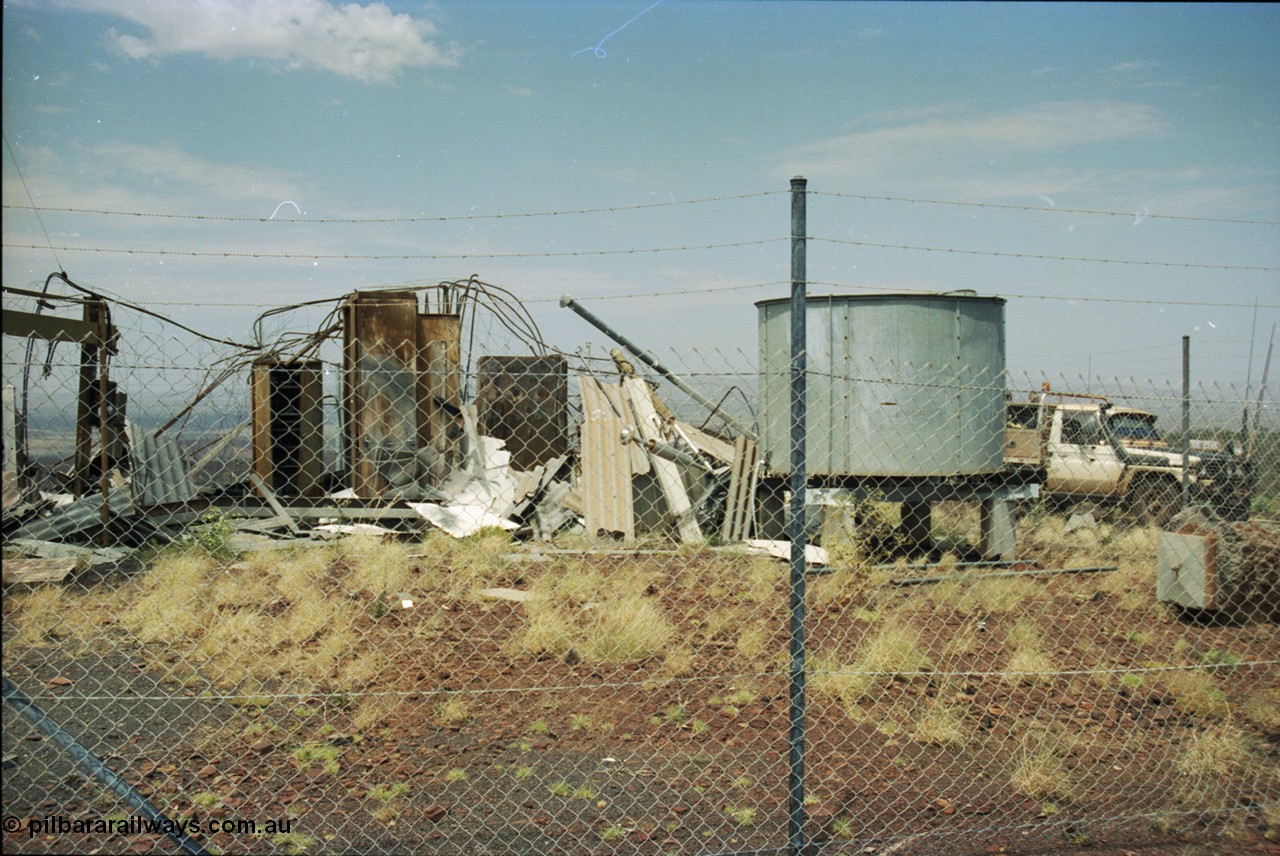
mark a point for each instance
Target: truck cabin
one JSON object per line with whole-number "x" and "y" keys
{"x": 1135, "y": 428}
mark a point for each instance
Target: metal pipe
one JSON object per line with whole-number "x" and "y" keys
{"x": 649, "y": 360}
{"x": 796, "y": 692}
{"x": 105, "y": 430}
{"x": 1262, "y": 393}
{"x": 1034, "y": 572}
{"x": 663, "y": 450}
{"x": 95, "y": 767}
{"x": 924, "y": 566}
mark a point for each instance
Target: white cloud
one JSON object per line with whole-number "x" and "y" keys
{"x": 1135, "y": 65}
{"x": 628, "y": 174}
{"x": 1046, "y": 127}
{"x": 368, "y": 43}
{"x": 159, "y": 177}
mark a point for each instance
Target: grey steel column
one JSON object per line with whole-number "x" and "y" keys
{"x": 1186, "y": 420}
{"x": 796, "y": 733}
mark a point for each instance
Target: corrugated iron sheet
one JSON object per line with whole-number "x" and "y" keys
{"x": 83, "y": 514}
{"x": 607, "y": 503}
{"x": 159, "y": 473}
{"x": 740, "y": 506}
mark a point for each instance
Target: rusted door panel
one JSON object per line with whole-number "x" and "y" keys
{"x": 381, "y": 387}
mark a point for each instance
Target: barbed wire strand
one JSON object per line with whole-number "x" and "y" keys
{"x": 446, "y": 218}
{"x": 1046, "y": 209}
{"x": 243, "y": 254}
{"x": 613, "y": 209}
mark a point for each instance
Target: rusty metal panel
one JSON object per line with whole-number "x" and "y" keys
{"x": 260, "y": 392}
{"x": 439, "y": 380}
{"x": 525, "y": 401}
{"x": 607, "y": 504}
{"x": 288, "y": 426}
{"x": 380, "y": 428}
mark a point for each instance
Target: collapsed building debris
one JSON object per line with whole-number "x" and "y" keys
{"x": 418, "y": 431}
{"x": 416, "y": 446}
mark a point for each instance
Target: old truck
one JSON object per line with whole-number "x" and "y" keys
{"x": 1088, "y": 449}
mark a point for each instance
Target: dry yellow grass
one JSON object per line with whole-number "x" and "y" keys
{"x": 39, "y": 615}
{"x": 52, "y": 615}
{"x": 837, "y": 681}
{"x": 546, "y": 631}
{"x": 173, "y": 597}
{"x": 379, "y": 568}
{"x": 282, "y": 618}
{"x": 1038, "y": 769}
{"x": 892, "y": 650}
{"x": 1263, "y": 708}
{"x": 459, "y": 567}
{"x": 941, "y": 724}
{"x": 1195, "y": 691}
{"x": 752, "y": 643}
{"x": 1028, "y": 665}
{"x": 454, "y": 712}
{"x": 1219, "y": 750}
{"x": 996, "y": 596}
{"x": 763, "y": 578}
{"x": 1212, "y": 760}
{"x": 678, "y": 660}
{"x": 623, "y": 630}
{"x": 375, "y": 711}
{"x": 1134, "y": 580}
{"x": 607, "y": 620}
{"x": 1039, "y": 773}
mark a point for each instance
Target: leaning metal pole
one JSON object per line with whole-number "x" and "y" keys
{"x": 649, "y": 360}
{"x": 795, "y": 777}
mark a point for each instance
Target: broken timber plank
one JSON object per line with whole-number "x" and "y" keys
{"x": 267, "y": 494}
{"x": 740, "y": 506}
{"x": 719, "y": 449}
{"x": 668, "y": 474}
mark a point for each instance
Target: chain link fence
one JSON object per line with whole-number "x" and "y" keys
{"x": 421, "y": 583}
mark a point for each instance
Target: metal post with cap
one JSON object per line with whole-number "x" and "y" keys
{"x": 796, "y": 694}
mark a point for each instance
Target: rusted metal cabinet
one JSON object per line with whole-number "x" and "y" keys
{"x": 439, "y": 381}
{"x": 524, "y": 401}
{"x": 380, "y": 384}
{"x": 288, "y": 426}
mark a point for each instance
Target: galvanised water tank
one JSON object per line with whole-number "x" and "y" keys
{"x": 907, "y": 385}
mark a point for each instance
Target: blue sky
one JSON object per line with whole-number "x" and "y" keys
{"x": 1163, "y": 119}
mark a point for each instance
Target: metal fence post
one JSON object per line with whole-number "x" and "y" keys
{"x": 1186, "y": 420}
{"x": 796, "y": 811}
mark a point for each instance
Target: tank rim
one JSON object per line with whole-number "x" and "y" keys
{"x": 963, "y": 295}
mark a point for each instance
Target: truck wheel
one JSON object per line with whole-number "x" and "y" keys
{"x": 1155, "y": 501}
